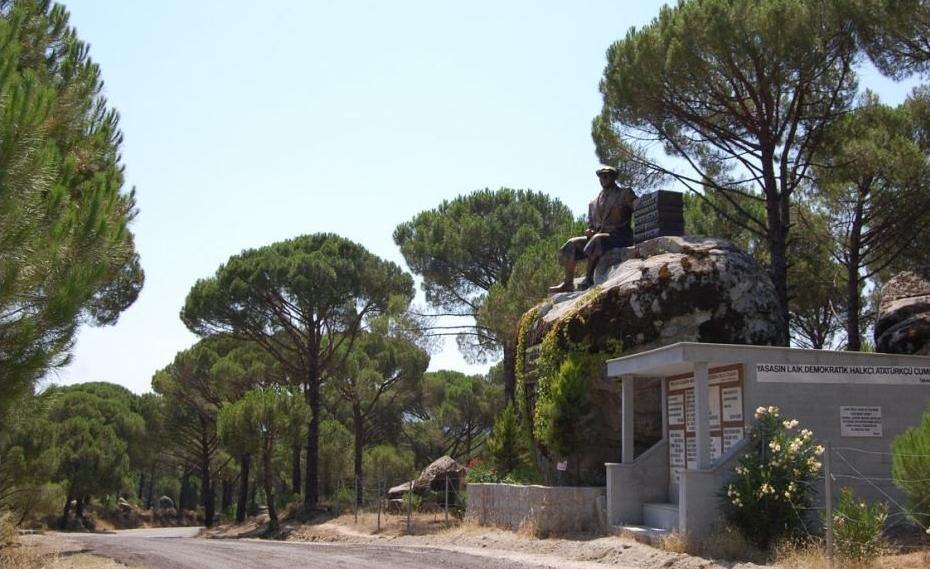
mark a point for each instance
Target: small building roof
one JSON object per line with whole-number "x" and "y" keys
{"x": 679, "y": 358}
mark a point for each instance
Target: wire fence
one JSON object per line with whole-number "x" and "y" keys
{"x": 839, "y": 467}
{"x": 404, "y": 508}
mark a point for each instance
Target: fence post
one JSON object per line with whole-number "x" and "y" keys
{"x": 447, "y": 500}
{"x": 380, "y": 502}
{"x": 828, "y": 497}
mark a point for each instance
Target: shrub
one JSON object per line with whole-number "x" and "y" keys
{"x": 413, "y": 501}
{"x": 527, "y": 474}
{"x": 910, "y": 468}
{"x": 773, "y": 482}
{"x": 567, "y": 400}
{"x": 857, "y": 528}
{"x": 343, "y": 500}
{"x": 507, "y": 443}
{"x": 478, "y": 472}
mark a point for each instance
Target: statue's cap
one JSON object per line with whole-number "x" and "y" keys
{"x": 603, "y": 169}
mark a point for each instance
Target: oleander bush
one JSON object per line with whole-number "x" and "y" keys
{"x": 773, "y": 485}
{"x": 858, "y": 528}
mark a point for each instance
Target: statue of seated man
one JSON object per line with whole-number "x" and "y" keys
{"x": 610, "y": 217}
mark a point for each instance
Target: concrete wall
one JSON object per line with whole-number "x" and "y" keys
{"x": 698, "y": 495}
{"x": 543, "y": 510}
{"x": 631, "y": 485}
{"x": 817, "y": 407}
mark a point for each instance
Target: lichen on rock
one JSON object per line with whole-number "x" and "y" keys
{"x": 662, "y": 291}
{"x": 903, "y": 325}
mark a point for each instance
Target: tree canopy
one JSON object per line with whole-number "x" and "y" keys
{"x": 304, "y": 301}
{"x": 740, "y": 92}
{"x": 66, "y": 253}
{"x": 466, "y": 246}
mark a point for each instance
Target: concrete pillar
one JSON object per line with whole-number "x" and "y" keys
{"x": 701, "y": 414}
{"x": 664, "y": 403}
{"x": 626, "y": 426}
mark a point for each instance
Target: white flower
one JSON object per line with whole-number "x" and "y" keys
{"x": 773, "y": 410}
{"x": 774, "y": 446}
{"x": 790, "y": 424}
{"x": 818, "y": 450}
{"x": 806, "y": 434}
{"x": 760, "y": 411}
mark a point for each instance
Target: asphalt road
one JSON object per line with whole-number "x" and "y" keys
{"x": 176, "y": 548}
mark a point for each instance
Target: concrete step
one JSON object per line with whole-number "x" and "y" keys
{"x": 661, "y": 516}
{"x": 643, "y": 534}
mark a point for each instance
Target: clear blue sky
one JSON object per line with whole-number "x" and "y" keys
{"x": 250, "y": 122}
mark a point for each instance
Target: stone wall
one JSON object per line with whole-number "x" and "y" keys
{"x": 542, "y": 510}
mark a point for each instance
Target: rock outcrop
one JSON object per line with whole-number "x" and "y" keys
{"x": 432, "y": 478}
{"x": 665, "y": 290}
{"x": 903, "y": 325}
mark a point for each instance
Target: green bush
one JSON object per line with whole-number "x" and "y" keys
{"x": 507, "y": 444}
{"x": 857, "y": 528}
{"x": 342, "y": 500}
{"x": 526, "y": 474}
{"x": 388, "y": 464}
{"x": 910, "y": 468}
{"x": 772, "y": 485}
{"x": 561, "y": 407}
{"x": 412, "y": 501}
{"x": 479, "y": 472}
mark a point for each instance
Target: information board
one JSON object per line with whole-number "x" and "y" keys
{"x": 860, "y": 421}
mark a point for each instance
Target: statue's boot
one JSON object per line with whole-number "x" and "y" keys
{"x": 588, "y": 281}
{"x": 568, "y": 284}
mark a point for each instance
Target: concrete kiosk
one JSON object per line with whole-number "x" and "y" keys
{"x": 857, "y": 401}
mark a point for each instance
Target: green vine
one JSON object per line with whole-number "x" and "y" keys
{"x": 557, "y": 346}
{"x": 523, "y": 331}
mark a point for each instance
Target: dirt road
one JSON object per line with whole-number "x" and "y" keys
{"x": 177, "y": 548}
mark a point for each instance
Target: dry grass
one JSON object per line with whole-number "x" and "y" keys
{"x": 674, "y": 543}
{"x": 729, "y": 544}
{"x": 813, "y": 556}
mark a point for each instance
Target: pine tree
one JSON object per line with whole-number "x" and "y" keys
{"x": 66, "y": 253}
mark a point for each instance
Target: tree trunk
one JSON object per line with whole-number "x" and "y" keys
{"x": 510, "y": 372}
{"x": 854, "y": 258}
{"x": 312, "y": 481}
{"x": 242, "y": 505}
{"x": 358, "y": 425}
{"x": 67, "y": 511}
{"x": 79, "y": 512}
{"x": 295, "y": 469}
{"x": 266, "y": 482}
{"x": 208, "y": 500}
{"x": 184, "y": 500}
{"x": 226, "y": 495}
{"x": 778, "y": 219}
{"x": 150, "y": 495}
{"x": 141, "y": 484}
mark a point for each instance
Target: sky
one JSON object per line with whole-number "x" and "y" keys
{"x": 247, "y": 123}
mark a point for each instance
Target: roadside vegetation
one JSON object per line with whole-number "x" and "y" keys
{"x": 307, "y": 388}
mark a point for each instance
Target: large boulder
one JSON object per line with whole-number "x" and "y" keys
{"x": 903, "y": 325}
{"x": 433, "y": 477}
{"x": 665, "y": 290}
